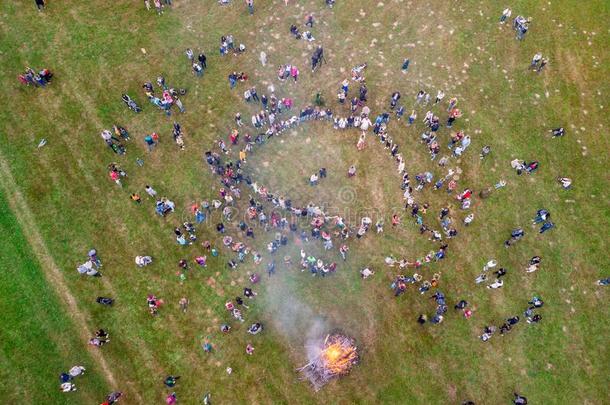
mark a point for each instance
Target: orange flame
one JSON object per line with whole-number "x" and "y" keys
{"x": 339, "y": 356}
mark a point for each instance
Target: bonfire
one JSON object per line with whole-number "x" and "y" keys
{"x": 331, "y": 358}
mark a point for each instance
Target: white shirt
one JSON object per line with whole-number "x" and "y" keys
{"x": 496, "y": 284}
{"x": 67, "y": 387}
{"x": 364, "y": 125}
{"x": 76, "y": 371}
{"x": 366, "y": 272}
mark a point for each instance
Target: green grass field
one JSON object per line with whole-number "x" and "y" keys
{"x": 57, "y": 202}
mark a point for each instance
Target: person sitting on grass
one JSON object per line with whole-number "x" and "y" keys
{"x": 603, "y": 281}
{"x": 171, "y": 381}
{"x": 104, "y": 301}
{"x": 534, "y": 264}
{"x": 519, "y": 400}
{"x": 366, "y": 273}
{"x": 255, "y": 328}
{"x": 101, "y": 338}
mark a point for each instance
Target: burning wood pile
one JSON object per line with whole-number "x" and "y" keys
{"x": 331, "y": 358}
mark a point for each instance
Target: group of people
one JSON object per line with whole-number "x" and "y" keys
{"x": 521, "y": 26}
{"x": 271, "y": 210}
{"x": 233, "y": 173}
{"x": 66, "y": 378}
{"x": 115, "y": 139}
{"x": 538, "y": 62}
{"x": 169, "y": 96}
{"x": 198, "y": 65}
{"x": 287, "y": 71}
{"x": 306, "y": 35}
{"x": 340, "y": 123}
{"x": 92, "y": 266}
{"x": 236, "y": 77}
{"x": 31, "y": 77}
{"x": 499, "y": 274}
{"x": 227, "y": 44}
{"x": 159, "y": 5}
{"x": 530, "y": 314}
{"x": 521, "y": 166}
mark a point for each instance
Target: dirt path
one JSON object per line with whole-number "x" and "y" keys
{"x": 52, "y": 272}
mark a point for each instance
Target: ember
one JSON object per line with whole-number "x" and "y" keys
{"x": 334, "y": 357}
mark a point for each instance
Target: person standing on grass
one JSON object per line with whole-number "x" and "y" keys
{"x": 270, "y": 268}
{"x": 394, "y": 99}
{"x": 412, "y": 117}
{"x": 294, "y": 72}
{"x": 543, "y": 63}
{"x": 351, "y": 172}
{"x": 197, "y": 69}
{"x": 39, "y": 4}
{"x": 452, "y": 103}
{"x": 439, "y": 97}
{"x": 250, "y": 4}
{"x": 150, "y": 143}
{"x": 400, "y": 112}
{"x": 249, "y": 349}
{"x": 179, "y": 104}
{"x": 345, "y": 86}
{"x": 505, "y": 14}
{"x": 158, "y": 7}
{"x": 405, "y": 65}
{"x": 150, "y": 191}
{"x": 535, "y": 60}
{"x": 313, "y": 179}
{"x": 202, "y": 59}
{"x": 233, "y": 80}
{"x": 309, "y": 20}
{"x": 362, "y": 92}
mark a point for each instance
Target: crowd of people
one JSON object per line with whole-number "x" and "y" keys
{"x": 277, "y": 215}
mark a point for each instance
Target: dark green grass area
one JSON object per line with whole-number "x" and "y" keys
{"x": 38, "y": 340}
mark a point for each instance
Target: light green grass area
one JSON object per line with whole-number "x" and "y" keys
{"x": 94, "y": 49}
